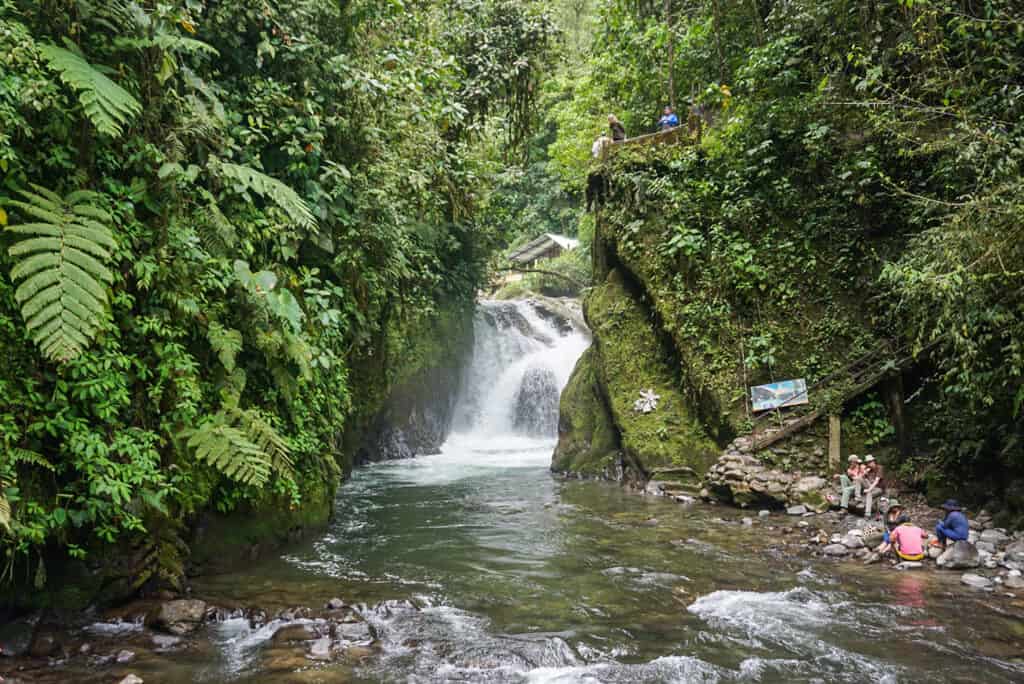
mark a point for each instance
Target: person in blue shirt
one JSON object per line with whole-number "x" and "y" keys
{"x": 668, "y": 119}
{"x": 954, "y": 526}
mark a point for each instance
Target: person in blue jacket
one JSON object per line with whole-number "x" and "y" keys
{"x": 954, "y": 526}
{"x": 668, "y": 119}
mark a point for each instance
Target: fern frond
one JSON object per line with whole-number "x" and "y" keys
{"x": 109, "y": 106}
{"x": 263, "y": 434}
{"x": 5, "y": 513}
{"x": 272, "y": 189}
{"x": 19, "y": 455}
{"x": 216, "y": 232}
{"x": 62, "y": 269}
{"x": 226, "y": 342}
{"x": 231, "y": 452}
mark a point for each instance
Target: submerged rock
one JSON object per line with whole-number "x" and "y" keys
{"x": 293, "y": 633}
{"x": 320, "y": 649}
{"x": 177, "y": 617}
{"x": 976, "y": 581}
{"x": 959, "y": 556}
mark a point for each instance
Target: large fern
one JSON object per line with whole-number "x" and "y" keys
{"x": 272, "y": 189}
{"x": 242, "y": 445}
{"x": 62, "y": 268}
{"x": 230, "y": 451}
{"x": 109, "y": 106}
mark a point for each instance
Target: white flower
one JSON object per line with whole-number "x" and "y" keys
{"x": 647, "y": 402}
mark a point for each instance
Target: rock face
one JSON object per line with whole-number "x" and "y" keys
{"x": 626, "y": 358}
{"x": 179, "y": 617}
{"x": 961, "y": 555}
{"x": 742, "y": 479}
{"x": 536, "y": 403}
{"x": 412, "y": 415}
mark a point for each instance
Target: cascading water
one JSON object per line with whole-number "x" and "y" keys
{"x": 521, "y": 362}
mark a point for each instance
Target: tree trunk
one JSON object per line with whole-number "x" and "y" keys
{"x": 671, "y": 55}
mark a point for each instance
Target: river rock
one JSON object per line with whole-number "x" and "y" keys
{"x": 986, "y": 547}
{"x": 1015, "y": 582}
{"x": 853, "y": 541}
{"x": 763, "y": 513}
{"x": 178, "y": 617}
{"x": 976, "y": 581}
{"x": 293, "y": 633}
{"x": 131, "y": 679}
{"x": 747, "y": 521}
{"x": 335, "y": 604}
{"x": 320, "y": 649}
{"x": 994, "y": 536}
{"x": 16, "y": 635}
{"x": 836, "y": 550}
{"x": 165, "y": 642}
{"x": 909, "y": 565}
{"x": 44, "y": 645}
{"x": 960, "y": 555}
{"x": 124, "y": 656}
{"x": 1015, "y": 552}
{"x": 934, "y": 552}
{"x": 796, "y": 510}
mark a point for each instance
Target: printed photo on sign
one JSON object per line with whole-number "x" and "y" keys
{"x": 779, "y": 394}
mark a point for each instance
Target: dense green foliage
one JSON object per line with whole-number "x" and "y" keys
{"x": 218, "y": 214}
{"x": 858, "y": 190}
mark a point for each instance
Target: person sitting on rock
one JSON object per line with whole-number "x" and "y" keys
{"x": 907, "y": 540}
{"x": 872, "y": 482}
{"x": 954, "y": 527}
{"x": 851, "y": 481}
{"x": 892, "y": 521}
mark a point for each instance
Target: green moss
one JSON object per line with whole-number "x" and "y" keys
{"x": 587, "y": 440}
{"x": 632, "y": 359}
{"x": 222, "y": 541}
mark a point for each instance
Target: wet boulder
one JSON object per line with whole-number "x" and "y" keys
{"x": 536, "y": 402}
{"x": 16, "y": 636}
{"x": 961, "y": 555}
{"x": 178, "y": 617}
{"x": 44, "y": 645}
{"x": 836, "y": 550}
{"x": 290, "y": 633}
{"x": 975, "y": 581}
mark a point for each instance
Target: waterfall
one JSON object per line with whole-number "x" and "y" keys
{"x": 523, "y": 354}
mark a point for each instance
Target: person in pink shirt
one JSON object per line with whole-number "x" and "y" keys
{"x": 907, "y": 540}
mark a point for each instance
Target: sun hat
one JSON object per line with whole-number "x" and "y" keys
{"x": 951, "y": 505}
{"x": 869, "y": 458}
{"x": 854, "y": 458}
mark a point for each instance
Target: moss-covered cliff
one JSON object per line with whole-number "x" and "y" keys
{"x": 599, "y": 424}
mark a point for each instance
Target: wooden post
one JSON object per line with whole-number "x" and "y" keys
{"x": 834, "y": 425}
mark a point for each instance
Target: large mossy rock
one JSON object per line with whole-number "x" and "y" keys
{"x": 587, "y": 441}
{"x": 627, "y": 358}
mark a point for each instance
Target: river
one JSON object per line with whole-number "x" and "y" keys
{"x": 479, "y": 565}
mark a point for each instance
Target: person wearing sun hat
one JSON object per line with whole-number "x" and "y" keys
{"x": 954, "y": 526}
{"x": 873, "y": 485}
{"x": 851, "y": 481}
